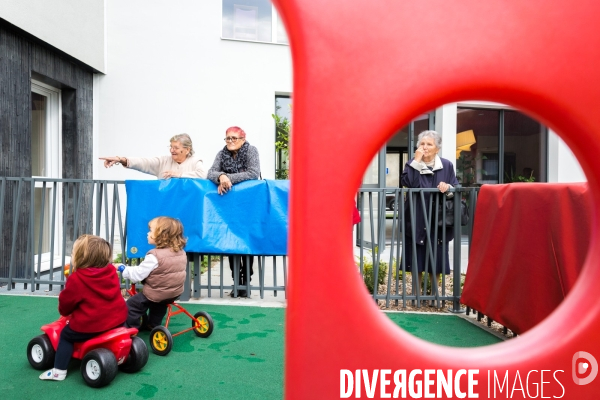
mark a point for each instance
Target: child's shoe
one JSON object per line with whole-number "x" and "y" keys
{"x": 54, "y": 375}
{"x": 146, "y": 327}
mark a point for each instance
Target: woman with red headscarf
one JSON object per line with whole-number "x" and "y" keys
{"x": 236, "y": 162}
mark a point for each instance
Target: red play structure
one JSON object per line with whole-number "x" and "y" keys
{"x": 524, "y": 267}
{"x": 362, "y": 70}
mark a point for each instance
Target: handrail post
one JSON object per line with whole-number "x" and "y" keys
{"x": 11, "y": 265}
{"x": 457, "y": 255}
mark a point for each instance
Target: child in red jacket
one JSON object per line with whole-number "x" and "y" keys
{"x": 91, "y": 297}
{"x": 162, "y": 272}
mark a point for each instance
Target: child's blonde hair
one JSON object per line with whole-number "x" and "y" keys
{"x": 90, "y": 251}
{"x": 168, "y": 232}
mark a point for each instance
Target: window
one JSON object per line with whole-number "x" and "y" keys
{"x": 282, "y": 36}
{"x": 499, "y": 146}
{"x": 491, "y": 166}
{"x": 45, "y": 162}
{"x": 252, "y": 20}
{"x": 283, "y": 117}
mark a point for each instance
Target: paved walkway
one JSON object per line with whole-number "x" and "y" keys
{"x": 272, "y": 277}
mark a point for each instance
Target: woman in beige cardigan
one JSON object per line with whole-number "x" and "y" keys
{"x": 181, "y": 163}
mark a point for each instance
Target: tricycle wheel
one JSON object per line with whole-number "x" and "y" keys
{"x": 99, "y": 367}
{"x": 203, "y": 324}
{"x": 40, "y": 352}
{"x": 138, "y": 356}
{"x": 161, "y": 341}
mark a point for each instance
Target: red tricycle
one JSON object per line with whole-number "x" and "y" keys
{"x": 161, "y": 339}
{"x": 100, "y": 356}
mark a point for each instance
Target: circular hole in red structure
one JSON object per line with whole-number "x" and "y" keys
{"x": 513, "y": 158}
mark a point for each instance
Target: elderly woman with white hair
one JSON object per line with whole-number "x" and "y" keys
{"x": 180, "y": 164}
{"x": 427, "y": 170}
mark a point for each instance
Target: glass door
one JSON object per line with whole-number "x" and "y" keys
{"x": 45, "y": 162}
{"x": 39, "y": 114}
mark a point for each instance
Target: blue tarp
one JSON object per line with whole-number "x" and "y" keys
{"x": 252, "y": 218}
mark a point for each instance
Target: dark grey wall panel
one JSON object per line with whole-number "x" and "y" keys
{"x": 21, "y": 58}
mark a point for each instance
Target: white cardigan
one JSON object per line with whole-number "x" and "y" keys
{"x": 190, "y": 168}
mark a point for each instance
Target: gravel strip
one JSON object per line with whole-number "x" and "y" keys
{"x": 430, "y": 306}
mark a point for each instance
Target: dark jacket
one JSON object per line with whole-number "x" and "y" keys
{"x": 92, "y": 297}
{"x": 245, "y": 167}
{"x": 417, "y": 175}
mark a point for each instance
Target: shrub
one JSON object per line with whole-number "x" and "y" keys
{"x": 205, "y": 262}
{"x": 128, "y": 261}
{"x": 369, "y": 274}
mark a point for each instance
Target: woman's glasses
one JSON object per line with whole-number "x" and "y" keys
{"x": 231, "y": 139}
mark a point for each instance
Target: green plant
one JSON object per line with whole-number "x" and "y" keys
{"x": 466, "y": 171}
{"x": 509, "y": 178}
{"x": 128, "y": 261}
{"x": 207, "y": 262}
{"x": 204, "y": 263}
{"x": 369, "y": 274}
{"x": 282, "y": 140}
{"x": 462, "y": 281}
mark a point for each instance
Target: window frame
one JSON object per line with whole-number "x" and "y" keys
{"x": 275, "y": 18}
{"x": 502, "y": 108}
{"x": 52, "y": 169}
{"x": 279, "y": 156}
{"x": 53, "y": 134}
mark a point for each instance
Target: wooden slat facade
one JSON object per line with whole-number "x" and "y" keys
{"x": 21, "y": 59}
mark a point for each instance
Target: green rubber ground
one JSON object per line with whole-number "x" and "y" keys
{"x": 242, "y": 359}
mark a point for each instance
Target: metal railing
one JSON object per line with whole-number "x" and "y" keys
{"x": 41, "y": 218}
{"x": 383, "y": 232}
{"x": 272, "y": 276}
{"x": 44, "y": 216}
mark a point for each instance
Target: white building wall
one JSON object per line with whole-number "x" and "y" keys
{"x": 445, "y": 124}
{"x": 170, "y": 72}
{"x": 73, "y": 26}
{"x": 562, "y": 164}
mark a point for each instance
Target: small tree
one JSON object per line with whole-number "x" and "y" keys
{"x": 282, "y": 152}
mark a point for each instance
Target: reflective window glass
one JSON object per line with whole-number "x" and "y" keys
{"x": 281, "y": 32}
{"x": 477, "y": 146}
{"x": 38, "y": 134}
{"x": 478, "y": 158}
{"x": 524, "y": 141}
{"x": 247, "y": 20}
